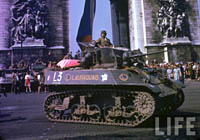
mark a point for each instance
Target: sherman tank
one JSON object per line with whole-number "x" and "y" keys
{"x": 112, "y": 86}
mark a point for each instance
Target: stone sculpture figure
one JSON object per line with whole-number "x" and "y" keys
{"x": 160, "y": 16}
{"x": 172, "y": 19}
{"x": 19, "y": 34}
{"x": 178, "y": 26}
{"x": 170, "y": 30}
{"x": 28, "y": 23}
{"x": 29, "y": 19}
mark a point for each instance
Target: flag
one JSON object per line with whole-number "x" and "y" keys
{"x": 86, "y": 24}
{"x": 67, "y": 63}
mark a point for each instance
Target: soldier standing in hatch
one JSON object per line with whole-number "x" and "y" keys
{"x": 103, "y": 41}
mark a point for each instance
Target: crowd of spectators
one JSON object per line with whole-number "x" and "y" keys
{"x": 24, "y": 78}
{"x": 20, "y": 65}
{"x": 174, "y": 71}
{"x": 27, "y": 80}
{"x": 178, "y": 71}
{"x": 69, "y": 55}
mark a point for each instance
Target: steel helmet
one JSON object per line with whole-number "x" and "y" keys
{"x": 103, "y": 32}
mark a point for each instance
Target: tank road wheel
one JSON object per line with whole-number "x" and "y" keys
{"x": 94, "y": 112}
{"x": 77, "y": 112}
{"x": 130, "y": 114}
{"x": 145, "y": 105}
{"x": 50, "y": 105}
{"x": 109, "y": 114}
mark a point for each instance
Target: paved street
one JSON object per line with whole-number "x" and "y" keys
{"x": 22, "y": 118}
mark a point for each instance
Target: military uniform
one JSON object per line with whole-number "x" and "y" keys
{"x": 103, "y": 42}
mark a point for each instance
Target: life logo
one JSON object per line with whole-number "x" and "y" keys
{"x": 123, "y": 77}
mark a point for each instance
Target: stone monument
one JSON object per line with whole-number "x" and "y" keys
{"x": 34, "y": 29}
{"x": 172, "y": 22}
{"x": 156, "y": 25}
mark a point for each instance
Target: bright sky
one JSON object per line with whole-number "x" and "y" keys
{"x": 102, "y": 20}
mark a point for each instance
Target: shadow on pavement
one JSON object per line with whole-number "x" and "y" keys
{"x": 4, "y": 115}
{"x": 12, "y": 119}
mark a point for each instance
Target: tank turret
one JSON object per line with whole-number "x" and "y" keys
{"x": 116, "y": 57}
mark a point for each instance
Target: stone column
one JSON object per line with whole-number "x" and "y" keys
{"x": 4, "y": 24}
{"x": 66, "y": 24}
{"x": 137, "y": 25}
{"x": 58, "y": 16}
{"x": 5, "y": 53}
{"x": 119, "y": 15}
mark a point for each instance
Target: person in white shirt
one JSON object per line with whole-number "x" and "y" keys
{"x": 169, "y": 72}
{"x": 176, "y": 73}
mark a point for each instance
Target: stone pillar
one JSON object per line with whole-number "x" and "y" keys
{"x": 137, "y": 26}
{"x": 4, "y": 24}
{"x": 180, "y": 53}
{"x": 66, "y": 24}
{"x": 119, "y": 15}
{"x": 58, "y": 20}
{"x": 5, "y": 53}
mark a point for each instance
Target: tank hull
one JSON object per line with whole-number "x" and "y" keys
{"x": 107, "y": 97}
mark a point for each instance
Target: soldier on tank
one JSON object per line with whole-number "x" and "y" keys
{"x": 103, "y": 41}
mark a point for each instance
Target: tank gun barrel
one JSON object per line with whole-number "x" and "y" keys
{"x": 146, "y": 54}
{"x": 131, "y": 57}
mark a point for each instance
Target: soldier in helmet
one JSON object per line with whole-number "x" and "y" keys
{"x": 103, "y": 41}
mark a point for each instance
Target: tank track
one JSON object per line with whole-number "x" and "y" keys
{"x": 100, "y": 106}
